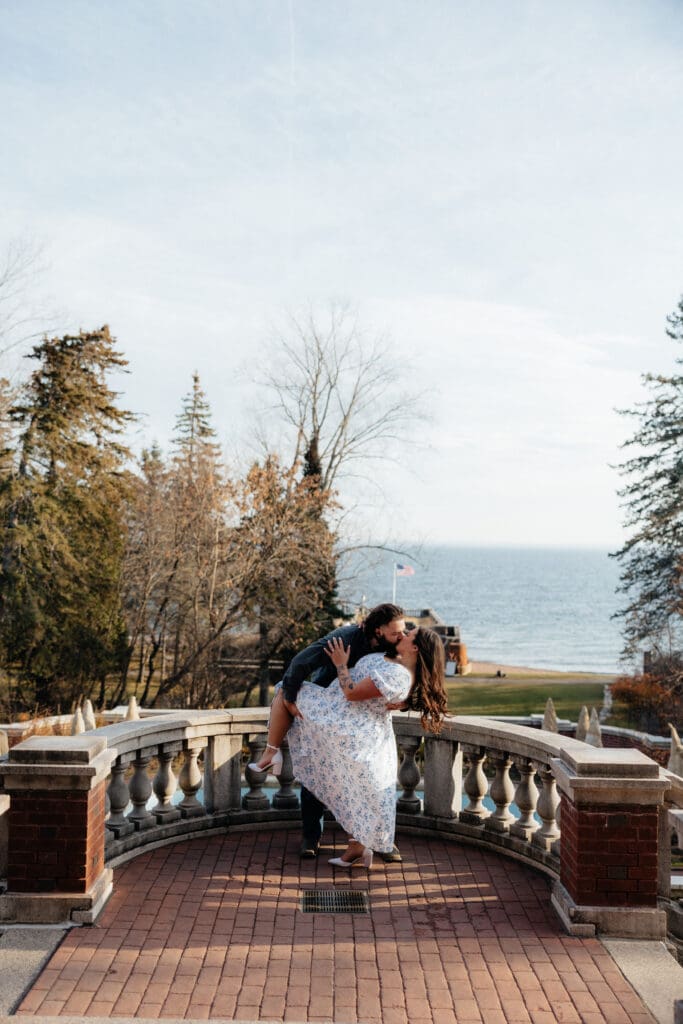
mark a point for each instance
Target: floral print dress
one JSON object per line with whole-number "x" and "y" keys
{"x": 345, "y": 752}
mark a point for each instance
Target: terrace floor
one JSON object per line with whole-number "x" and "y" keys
{"x": 212, "y": 929}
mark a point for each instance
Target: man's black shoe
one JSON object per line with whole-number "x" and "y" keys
{"x": 308, "y": 851}
{"x": 394, "y": 857}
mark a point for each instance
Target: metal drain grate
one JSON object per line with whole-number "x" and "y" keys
{"x": 334, "y": 901}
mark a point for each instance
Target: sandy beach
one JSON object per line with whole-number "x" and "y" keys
{"x": 490, "y": 669}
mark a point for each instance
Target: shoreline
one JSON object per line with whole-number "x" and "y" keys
{"x": 490, "y": 669}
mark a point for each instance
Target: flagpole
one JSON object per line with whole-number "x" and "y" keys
{"x": 393, "y": 586}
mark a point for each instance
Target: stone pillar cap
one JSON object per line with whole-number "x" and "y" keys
{"x": 57, "y": 750}
{"x": 613, "y": 762}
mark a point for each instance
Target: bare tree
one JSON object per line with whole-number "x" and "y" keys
{"x": 341, "y": 392}
{"x": 23, "y": 317}
{"x": 148, "y": 559}
{"x": 284, "y": 551}
{"x": 7, "y": 397}
{"x": 222, "y": 573}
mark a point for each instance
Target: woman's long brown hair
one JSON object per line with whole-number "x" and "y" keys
{"x": 428, "y": 694}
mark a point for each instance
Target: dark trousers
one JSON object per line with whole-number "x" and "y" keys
{"x": 312, "y": 811}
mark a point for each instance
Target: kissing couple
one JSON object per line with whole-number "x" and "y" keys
{"x": 334, "y": 706}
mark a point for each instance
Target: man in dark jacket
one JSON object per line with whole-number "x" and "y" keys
{"x": 380, "y": 631}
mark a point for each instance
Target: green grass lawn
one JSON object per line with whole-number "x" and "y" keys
{"x": 521, "y": 695}
{"x": 519, "y": 698}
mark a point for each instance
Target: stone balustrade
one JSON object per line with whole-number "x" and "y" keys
{"x": 673, "y": 828}
{"x": 594, "y": 820}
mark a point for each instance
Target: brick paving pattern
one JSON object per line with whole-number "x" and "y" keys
{"x": 212, "y": 928}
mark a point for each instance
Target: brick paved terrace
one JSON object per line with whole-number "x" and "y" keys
{"x": 536, "y": 868}
{"x": 212, "y": 929}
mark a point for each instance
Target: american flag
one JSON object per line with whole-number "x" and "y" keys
{"x": 404, "y": 570}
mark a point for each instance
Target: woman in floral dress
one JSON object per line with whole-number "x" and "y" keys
{"x": 343, "y": 747}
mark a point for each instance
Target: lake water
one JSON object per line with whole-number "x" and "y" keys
{"x": 539, "y": 607}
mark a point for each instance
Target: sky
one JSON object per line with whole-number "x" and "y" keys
{"x": 494, "y": 187}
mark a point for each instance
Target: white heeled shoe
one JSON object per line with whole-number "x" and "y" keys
{"x": 363, "y": 859}
{"x": 274, "y": 765}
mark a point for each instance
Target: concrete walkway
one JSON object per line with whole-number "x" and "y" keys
{"x": 212, "y": 929}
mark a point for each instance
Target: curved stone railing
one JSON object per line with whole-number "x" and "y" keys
{"x": 674, "y": 905}
{"x": 519, "y": 784}
{"x": 90, "y": 802}
{"x": 177, "y": 742}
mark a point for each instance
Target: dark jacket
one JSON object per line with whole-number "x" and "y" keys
{"x": 315, "y": 664}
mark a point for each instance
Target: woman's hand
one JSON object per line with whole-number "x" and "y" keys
{"x": 337, "y": 652}
{"x": 293, "y": 708}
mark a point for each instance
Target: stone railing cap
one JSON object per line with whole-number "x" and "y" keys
{"x": 57, "y": 750}
{"x": 612, "y": 761}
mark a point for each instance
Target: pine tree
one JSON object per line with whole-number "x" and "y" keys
{"x": 194, "y": 440}
{"x": 652, "y": 558}
{"x": 61, "y": 504}
{"x": 191, "y": 608}
{"x": 329, "y": 612}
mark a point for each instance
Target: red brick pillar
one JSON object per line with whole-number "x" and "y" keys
{"x": 609, "y": 849}
{"x": 55, "y": 856}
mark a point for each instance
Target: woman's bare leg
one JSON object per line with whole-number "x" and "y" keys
{"x": 354, "y": 853}
{"x": 353, "y": 849}
{"x": 278, "y": 727}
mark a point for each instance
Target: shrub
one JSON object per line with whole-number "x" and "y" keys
{"x": 649, "y": 698}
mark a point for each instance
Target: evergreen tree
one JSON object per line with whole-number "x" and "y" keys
{"x": 61, "y": 503}
{"x": 195, "y": 438}
{"x": 652, "y": 558}
{"x": 329, "y": 612}
{"x": 192, "y": 606}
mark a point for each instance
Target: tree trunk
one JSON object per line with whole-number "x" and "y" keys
{"x": 263, "y": 671}
{"x": 154, "y": 650}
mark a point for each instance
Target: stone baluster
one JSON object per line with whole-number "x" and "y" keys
{"x": 555, "y": 846}
{"x": 442, "y": 778}
{"x": 119, "y": 798}
{"x": 165, "y": 785}
{"x": 502, "y": 793}
{"x": 409, "y": 775}
{"x": 223, "y": 773}
{"x": 548, "y": 802}
{"x": 255, "y": 799}
{"x": 526, "y": 798}
{"x": 190, "y": 781}
{"x": 286, "y": 798}
{"x": 475, "y": 786}
{"x": 140, "y": 790}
